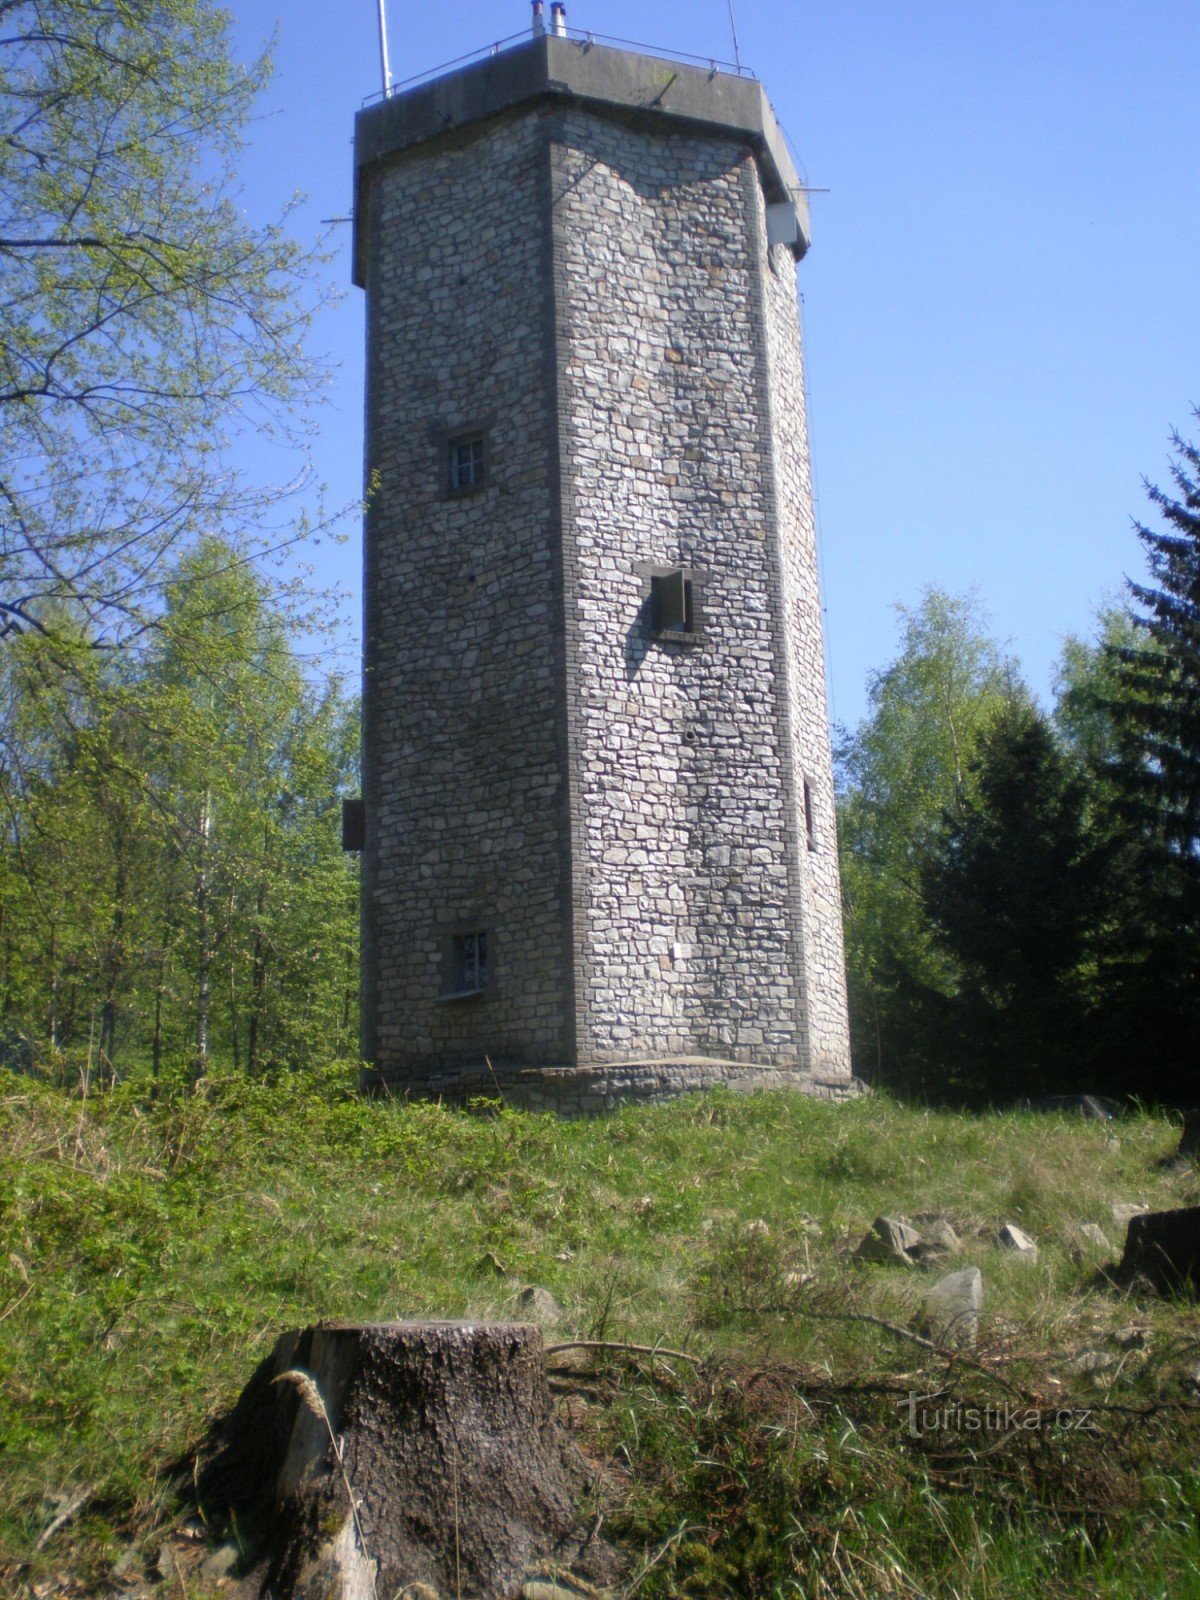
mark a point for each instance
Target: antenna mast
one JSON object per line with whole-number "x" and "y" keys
{"x": 383, "y": 55}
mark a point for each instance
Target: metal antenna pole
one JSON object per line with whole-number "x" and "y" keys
{"x": 737, "y": 55}
{"x": 383, "y": 55}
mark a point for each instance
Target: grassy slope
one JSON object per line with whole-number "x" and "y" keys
{"x": 150, "y": 1253}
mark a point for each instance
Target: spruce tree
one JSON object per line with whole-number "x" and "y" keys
{"x": 1158, "y": 710}
{"x": 1013, "y": 894}
{"x": 1152, "y": 968}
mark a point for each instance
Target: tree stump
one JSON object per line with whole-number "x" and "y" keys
{"x": 366, "y": 1460}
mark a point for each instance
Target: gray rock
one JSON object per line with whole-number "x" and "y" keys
{"x": 1092, "y": 1361}
{"x": 1129, "y": 1338}
{"x": 1095, "y": 1235}
{"x": 938, "y": 1241}
{"x": 950, "y": 1309}
{"x": 538, "y": 1305}
{"x": 1018, "y": 1241}
{"x": 129, "y": 1565}
{"x": 889, "y": 1240}
{"x": 1122, "y": 1210}
{"x": 1164, "y": 1248}
{"x": 223, "y": 1562}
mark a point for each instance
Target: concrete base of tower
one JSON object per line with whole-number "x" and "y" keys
{"x": 592, "y": 1090}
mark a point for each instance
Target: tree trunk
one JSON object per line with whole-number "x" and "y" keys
{"x": 258, "y": 978}
{"x": 447, "y": 1443}
{"x": 204, "y": 947}
{"x": 114, "y": 965}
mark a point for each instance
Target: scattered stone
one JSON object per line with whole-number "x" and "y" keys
{"x": 1129, "y": 1338}
{"x": 223, "y": 1562}
{"x": 128, "y": 1566}
{"x": 1092, "y": 1361}
{"x": 1095, "y": 1235}
{"x": 1112, "y": 1142}
{"x": 1123, "y": 1210}
{"x": 937, "y": 1242}
{"x": 1163, "y": 1248}
{"x": 419, "y": 1591}
{"x": 759, "y": 1228}
{"x": 540, "y": 1589}
{"x": 950, "y": 1309}
{"x": 1018, "y": 1241}
{"x": 538, "y": 1305}
{"x": 889, "y": 1240}
{"x": 1191, "y": 1380}
{"x": 798, "y": 1280}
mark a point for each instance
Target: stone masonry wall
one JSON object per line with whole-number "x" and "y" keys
{"x": 690, "y": 886}
{"x": 463, "y": 749}
{"x": 821, "y": 899}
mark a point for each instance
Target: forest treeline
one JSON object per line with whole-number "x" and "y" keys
{"x": 172, "y": 884}
{"x": 1021, "y": 886}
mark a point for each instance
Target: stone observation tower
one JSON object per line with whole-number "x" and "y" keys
{"x": 599, "y": 847}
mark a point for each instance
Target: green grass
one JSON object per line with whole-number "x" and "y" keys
{"x": 151, "y": 1251}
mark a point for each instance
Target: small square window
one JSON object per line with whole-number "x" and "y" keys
{"x": 672, "y": 603}
{"x": 466, "y": 462}
{"x": 470, "y": 962}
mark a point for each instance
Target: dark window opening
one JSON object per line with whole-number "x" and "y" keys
{"x": 672, "y": 603}
{"x": 466, "y": 462}
{"x": 354, "y": 823}
{"x": 810, "y": 829}
{"x": 470, "y": 962}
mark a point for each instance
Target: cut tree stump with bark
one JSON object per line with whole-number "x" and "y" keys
{"x": 364, "y": 1460}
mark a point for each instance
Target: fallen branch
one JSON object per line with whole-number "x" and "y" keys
{"x": 70, "y": 1508}
{"x": 19, "y": 1301}
{"x": 626, "y": 1349}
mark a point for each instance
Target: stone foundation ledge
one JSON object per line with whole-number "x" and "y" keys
{"x": 593, "y": 1090}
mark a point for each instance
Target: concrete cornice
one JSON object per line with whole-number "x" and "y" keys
{"x": 618, "y": 83}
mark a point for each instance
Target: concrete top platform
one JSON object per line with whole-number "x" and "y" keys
{"x": 619, "y": 83}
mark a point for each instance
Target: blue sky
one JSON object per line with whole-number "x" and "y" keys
{"x": 1000, "y": 304}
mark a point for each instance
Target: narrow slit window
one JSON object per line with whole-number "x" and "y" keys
{"x": 810, "y": 830}
{"x": 354, "y": 823}
{"x": 470, "y": 962}
{"x": 466, "y": 462}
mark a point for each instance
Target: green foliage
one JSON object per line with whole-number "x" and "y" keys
{"x": 900, "y": 772}
{"x": 143, "y": 321}
{"x": 1151, "y": 775}
{"x": 1014, "y": 891}
{"x": 1158, "y": 713}
{"x": 171, "y": 880}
